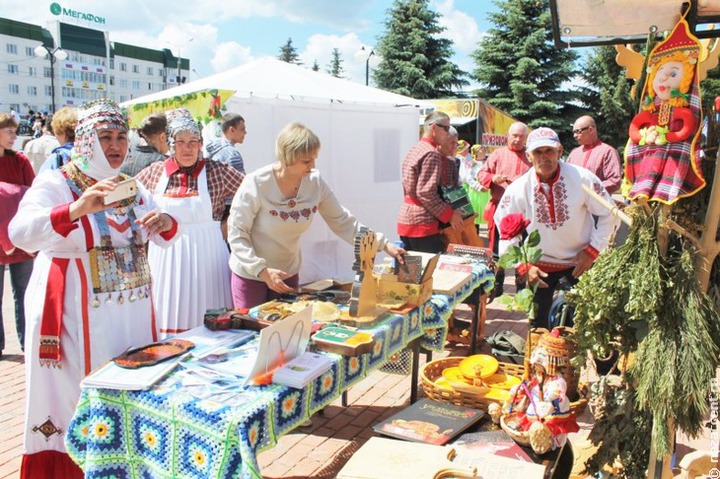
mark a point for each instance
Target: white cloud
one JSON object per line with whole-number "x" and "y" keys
{"x": 461, "y": 28}
{"x": 229, "y": 55}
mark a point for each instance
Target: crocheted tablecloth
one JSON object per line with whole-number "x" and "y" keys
{"x": 165, "y": 433}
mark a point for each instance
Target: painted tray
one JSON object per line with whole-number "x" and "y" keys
{"x": 479, "y": 365}
{"x": 153, "y": 353}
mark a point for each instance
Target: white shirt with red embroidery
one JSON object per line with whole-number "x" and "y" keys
{"x": 562, "y": 212}
{"x": 264, "y": 228}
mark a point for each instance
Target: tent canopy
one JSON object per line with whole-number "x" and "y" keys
{"x": 593, "y": 22}
{"x": 268, "y": 78}
{"x": 365, "y": 133}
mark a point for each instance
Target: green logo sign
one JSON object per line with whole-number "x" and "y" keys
{"x": 57, "y": 9}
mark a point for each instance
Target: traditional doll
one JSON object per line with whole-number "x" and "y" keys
{"x": 542, "y": 398}
{"x": 661, "y": 159}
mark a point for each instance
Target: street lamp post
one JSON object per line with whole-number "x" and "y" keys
{"x": 179, "y": 61}
{"x": 53, "y": 54}
{"x": 367, "y": 66}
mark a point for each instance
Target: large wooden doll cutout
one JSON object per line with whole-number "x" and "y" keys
{"x": 661, "y": 160}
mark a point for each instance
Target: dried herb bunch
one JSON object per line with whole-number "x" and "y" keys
{"x": 618, "y": 425}
{"x": 615, "y": 299}
{"x": 634, "y": 300}
{"x": 676, "y": 362}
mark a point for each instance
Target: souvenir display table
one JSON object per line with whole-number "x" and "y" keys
{"x": 163, "y": 432}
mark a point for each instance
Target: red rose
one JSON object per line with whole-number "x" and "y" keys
{"x": 513, "y": 225}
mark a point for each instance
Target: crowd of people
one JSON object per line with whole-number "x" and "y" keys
{"x": 93, "y": 274}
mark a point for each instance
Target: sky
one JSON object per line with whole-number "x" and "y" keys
{"x": 217, "y": 35}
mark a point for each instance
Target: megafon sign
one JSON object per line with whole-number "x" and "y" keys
{"x": 58, "y": 10}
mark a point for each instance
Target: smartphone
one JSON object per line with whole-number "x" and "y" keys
{"x": 124, "y": 189}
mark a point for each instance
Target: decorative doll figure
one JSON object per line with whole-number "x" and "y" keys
{"x": 543, "y": 396}
{"x": 661, "y": 159}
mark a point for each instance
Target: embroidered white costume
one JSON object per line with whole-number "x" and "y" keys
{"x": 559, "y": 211}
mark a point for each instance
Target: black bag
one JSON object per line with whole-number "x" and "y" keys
{"x": 508, "y": 343}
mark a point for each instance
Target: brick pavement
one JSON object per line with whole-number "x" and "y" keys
{"x": 317, "y": 451}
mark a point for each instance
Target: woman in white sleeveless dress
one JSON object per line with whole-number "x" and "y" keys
{"x": 192, "y": 275}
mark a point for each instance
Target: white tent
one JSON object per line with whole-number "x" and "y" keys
{"x": 365, "y": 133}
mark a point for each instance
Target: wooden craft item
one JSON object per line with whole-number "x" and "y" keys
{"x": 411, "y": 270}
{"x": 153, "y": 353}
{"x": 467, "y": 235}
{"x": 363, "y": 306}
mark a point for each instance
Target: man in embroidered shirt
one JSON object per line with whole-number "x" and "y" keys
{"x": 552, "y": 197}
{"x": 424, "y": 170}
{"x": 502, "y": 167}
{"x": 594, "y": 155}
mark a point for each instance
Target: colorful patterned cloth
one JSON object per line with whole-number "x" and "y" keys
{"x": 164, "y": 433}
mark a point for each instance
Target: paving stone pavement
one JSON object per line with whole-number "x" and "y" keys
{"x": 317, "y": 451}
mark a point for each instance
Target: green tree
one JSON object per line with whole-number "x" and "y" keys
{"x": 522, "y": 71}
{"x": 288, "y": 53}
{"x": 414, "y": 57}
{"x": 606, "y": 95}
{"x": 335, "y": 68}
{"x": 316, "y": 67}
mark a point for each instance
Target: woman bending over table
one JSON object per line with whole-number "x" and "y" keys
{"x": 274, "y": 206}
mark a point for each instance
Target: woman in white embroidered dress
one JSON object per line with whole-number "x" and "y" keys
{"x": 274, "y": 206}
{"x": 89, "y": 296}
{"x": 192, "y": 275}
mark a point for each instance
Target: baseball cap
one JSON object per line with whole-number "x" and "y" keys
{"x": 541, "y": 137}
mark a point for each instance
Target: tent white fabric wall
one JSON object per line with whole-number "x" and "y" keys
{"x": 362, "y": 147}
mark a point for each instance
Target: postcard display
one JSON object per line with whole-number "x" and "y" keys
{"x": 192, "y": 430}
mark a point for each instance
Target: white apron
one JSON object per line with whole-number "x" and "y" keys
{"x": 192, "y": 275}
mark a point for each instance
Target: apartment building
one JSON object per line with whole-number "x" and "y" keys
{"x": 77, "y": 64}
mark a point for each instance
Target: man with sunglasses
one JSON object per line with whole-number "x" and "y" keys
{"x": 594, "y": 155}
{"x": 424, "y": 170}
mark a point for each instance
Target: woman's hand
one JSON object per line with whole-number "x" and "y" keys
{"x": 273, "y": 278}
{"x": 396, "y": 252}
{"x": 92, "y": 199}
{"x": 155, "y": 222}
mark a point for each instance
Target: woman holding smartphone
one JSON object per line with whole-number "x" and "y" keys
{"x": 193, "y": 275}
{"x": 89, "y": 296}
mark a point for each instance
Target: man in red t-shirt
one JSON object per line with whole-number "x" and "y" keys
{"x": 502, "y": 167}
{"x": 594, "y": 155}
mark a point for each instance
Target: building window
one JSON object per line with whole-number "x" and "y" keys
{"x": 32, "y": 71}
{"x": 112, "y": 80}
{"x": 14, "y": 89}
{"x": 48, "y": 90}
{"x": 135, "y": 85}
{"x": 16, "y": 107}
{"x": 136, "y": 69}
{"x": 13, "y": 69}
{"x": 112, "y": 63}
{"x": 32, "y": 90}
{"x": 46, "y": 72}
{"x": 123, "y": 66}
{"x": 149, "y": 86}
{"x": 12, "y": 48}
{"x": 150, "y": 71}
{"x": 29, "y": 52}
{"x": 123, "y": 98}
{"x": 123, "y": 83}
{"x": 161, "y": 72}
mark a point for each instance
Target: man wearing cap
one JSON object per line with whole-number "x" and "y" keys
{"x": 594, "y": 155}
{"x": 424, "y": 170}
{"x": 502, "y": 167}
{"x": 552, "y": 198}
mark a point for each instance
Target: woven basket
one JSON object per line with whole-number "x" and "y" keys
{"x": 433, "y": 370}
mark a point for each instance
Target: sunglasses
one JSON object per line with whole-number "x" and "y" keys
{"x": 577, "y": 131}
{"x": 444, "y": 127}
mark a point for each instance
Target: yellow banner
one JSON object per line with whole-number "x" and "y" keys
{"x": 205, "y": 105}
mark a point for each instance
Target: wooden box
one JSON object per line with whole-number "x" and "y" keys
{"x": 392, "y": 293}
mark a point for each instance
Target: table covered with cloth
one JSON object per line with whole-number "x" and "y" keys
{"x": 165, "y": 433}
